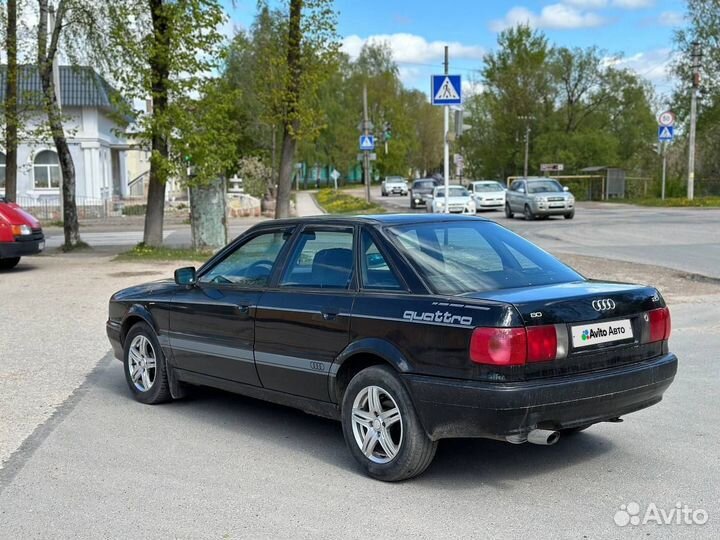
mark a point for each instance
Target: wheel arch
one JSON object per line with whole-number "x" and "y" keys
{"x": 135, "y": 314}
{"x": 360, "y": 355}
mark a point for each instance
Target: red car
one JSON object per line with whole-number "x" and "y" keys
{"x": 20, "y": 234}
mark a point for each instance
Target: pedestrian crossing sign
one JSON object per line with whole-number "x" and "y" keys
{"x": 446, "y": 90}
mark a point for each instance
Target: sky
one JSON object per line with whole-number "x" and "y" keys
{"x": 417, "y": 30}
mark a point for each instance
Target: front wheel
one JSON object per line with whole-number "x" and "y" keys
{"x": 508, "y": 213}
{"x": 382, "y": 429}
{"x": 529, "y": 216}
{"x": 412, "y": 203}
{"x": 8, "y": 264}
{"x": 145, "y": 365}
{"x": 570, "y": 215}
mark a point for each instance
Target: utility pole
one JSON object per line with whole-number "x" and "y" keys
{"x": 696, "y": 57}
{"x": 527, "y": 142}
{"x": 366, "y": 154}
{"x": 446, "y": 144}
{"x": 663, "y": 149}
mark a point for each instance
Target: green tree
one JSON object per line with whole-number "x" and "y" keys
{"x": 166, "y": 50}
{"x": 10, "y": 107}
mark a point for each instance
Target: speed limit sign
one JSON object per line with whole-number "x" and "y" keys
{"x": 666, "y": 119}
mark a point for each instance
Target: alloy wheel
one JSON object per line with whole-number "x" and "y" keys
{"x": 377, "y": 424}
{"x": 142, "y": 363}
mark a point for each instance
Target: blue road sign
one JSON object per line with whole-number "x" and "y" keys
{"x": 446, "y": 90}
{"x": 666, "y": 133}
{"x": 367, "y": 142}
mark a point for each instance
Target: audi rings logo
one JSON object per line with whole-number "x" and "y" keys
{"x": 604, "y": 304}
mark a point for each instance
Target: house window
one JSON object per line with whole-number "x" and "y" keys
{"x": 47, "y": 170}
{"x": 2, "y": 170}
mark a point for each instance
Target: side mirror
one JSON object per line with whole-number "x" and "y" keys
{"x": 185, "y": 276}
{"x": 566, "y": 189}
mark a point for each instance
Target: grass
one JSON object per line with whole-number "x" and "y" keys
{"x": 337, "y": 202}
{"x": 708, "y": 202}
{"x": 141, "y": 252}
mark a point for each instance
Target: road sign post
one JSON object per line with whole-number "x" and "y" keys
{"x": 446, "y": 90}
{"x": 666, "y": 132}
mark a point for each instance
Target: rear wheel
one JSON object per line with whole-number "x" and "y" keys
{"x": 7, "y": 264}
{"x": 382, "y": 429}
{"x": 529, "y": 216}
{"x": 144, "y": 363}
{"x": 508, "y": 213}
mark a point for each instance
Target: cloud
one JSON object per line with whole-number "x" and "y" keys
{"x": 553, "y": 16}
{"x": 670, "y": 18}
{"x": 633, "y": 4}
{"x": 411, "y": 48}
{"x": 587, "y": 4}
{"x": 654, "y": 65}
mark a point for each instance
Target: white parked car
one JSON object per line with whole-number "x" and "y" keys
{"x": 458, "y": 200}
{"x": 394, "y": 185}
{"x": 487, "y": 194}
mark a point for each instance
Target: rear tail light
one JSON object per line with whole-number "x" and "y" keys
{"x": 499, "y": 346}
{"x": 660, "y": 325}
{"x": 516, "y": 346}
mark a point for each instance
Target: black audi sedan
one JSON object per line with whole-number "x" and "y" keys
{"x": 406, "y": 328}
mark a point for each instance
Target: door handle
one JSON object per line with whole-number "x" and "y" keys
{"x": 329, "y": 315}
{"x": 243, "y": 309}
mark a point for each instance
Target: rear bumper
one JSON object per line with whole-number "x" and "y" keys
{"x": 455, "y": 408}
{"x": 9, "y": 250}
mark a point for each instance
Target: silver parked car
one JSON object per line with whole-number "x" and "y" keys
{"x": 538, "y": 197}
{"x": 394, "y": 185}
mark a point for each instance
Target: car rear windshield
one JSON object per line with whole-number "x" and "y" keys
{"x": 544, "y": 186}
{"x": 471, "y": 256}
{"x": 489, "y": 187}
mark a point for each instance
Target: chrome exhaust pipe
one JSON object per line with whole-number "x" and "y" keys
{"x": 543, "y": 436}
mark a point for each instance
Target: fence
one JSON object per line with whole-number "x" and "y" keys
{"x": 50, "y": 209}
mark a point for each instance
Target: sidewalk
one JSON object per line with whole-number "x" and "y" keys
{"x": 305, "y": 205}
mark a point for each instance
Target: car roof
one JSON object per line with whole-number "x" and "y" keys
{"x": 371, "y": 219}
{"x": 485, "y": 182}
{"x": 537, "y": 178}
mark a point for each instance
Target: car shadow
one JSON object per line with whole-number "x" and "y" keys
{"x": 20, "y": 268}
{"x": 459, "y": 463}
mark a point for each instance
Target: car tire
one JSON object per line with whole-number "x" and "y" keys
{"x": 529, "y": 216}
{"x": 383, "y": 194}
{"x": 9, "y": 264}
{"x": 508, "y": 212}
{"x": 570, "y": 215}
{"x": 148, "y": 384}
{"x": 374, "y": 390}
{"x": 413, "y": 206}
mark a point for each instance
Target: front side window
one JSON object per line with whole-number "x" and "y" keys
{"x": 376, "y": 272}
{"x": 322, "y": 260}
{"x": 463, "y": 257}
{"x": 46, "y": 170}
{"x": 251, "y": 264}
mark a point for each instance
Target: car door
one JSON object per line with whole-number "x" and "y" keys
{"x": 303, "y": 321}
{"x": 212, "y": 324}
{"x": 515, "y": 196}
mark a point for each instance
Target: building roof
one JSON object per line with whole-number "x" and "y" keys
{"x": 80, "y": 86}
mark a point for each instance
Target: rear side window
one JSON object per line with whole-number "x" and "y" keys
{"x": 321, "y": 259}
{"x": 471, "y": 256}
{"x": 376, "y": 272}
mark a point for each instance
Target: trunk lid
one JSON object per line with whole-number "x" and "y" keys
{"x": 600, "y": 324}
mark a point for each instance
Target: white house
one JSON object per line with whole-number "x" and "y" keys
{"x": 94, "y": 134}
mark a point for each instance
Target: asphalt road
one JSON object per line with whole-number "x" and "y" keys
{"x": 685, "y": 239}
{"x": 222, "y": 466}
